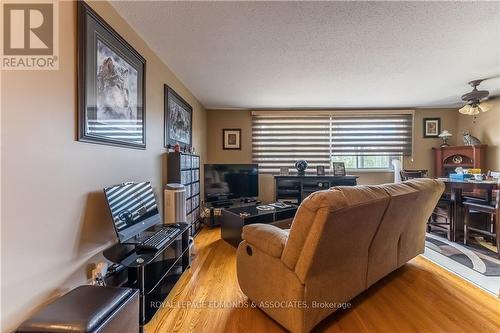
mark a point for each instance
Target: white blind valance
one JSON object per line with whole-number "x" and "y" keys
{"x": 280, "y": 140}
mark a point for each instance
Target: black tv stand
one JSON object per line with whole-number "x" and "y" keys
{"x": 222, "y": 204}
{"x": 294, "y": 189}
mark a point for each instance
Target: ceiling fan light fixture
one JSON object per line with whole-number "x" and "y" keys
{"x": 466, "y": 109}
{"x": 473, "y": 99}
{"x": 470, "y": 110}
{"x": 485, "y": 107}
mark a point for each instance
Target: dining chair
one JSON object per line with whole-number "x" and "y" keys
{"x": 442, "y": 215}
{"x": 492, "y": 210}
{"x": 411, "y": 174}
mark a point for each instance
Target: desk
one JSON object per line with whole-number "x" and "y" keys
{"x": 153, "y": 273}
{"x": 457, "y": 190}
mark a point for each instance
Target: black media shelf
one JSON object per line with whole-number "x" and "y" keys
{"x": 184, "y": 168}
{"x": 154, "y": 273}
{"x": 294, "y": 189}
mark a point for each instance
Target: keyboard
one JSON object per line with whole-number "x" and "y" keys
{"x": 159, "y": 239}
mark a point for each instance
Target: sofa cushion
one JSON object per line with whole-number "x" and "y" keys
{"x": 304, "y": 219}
{"x": 334, "y": 231}
{"x": 413, "y": 238}
{"x": 384, "y": 248}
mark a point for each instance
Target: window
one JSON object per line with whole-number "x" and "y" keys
{"x": 361, "y": 142}
{"x": 366, "y": 162}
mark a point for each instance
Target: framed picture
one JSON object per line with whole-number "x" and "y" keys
{"x": 111, "y": 85}
{"x": 284, "y": 171}
{"x": 432, "y": 127}
{"x": 338, "y": 169}
{"x": 178, "y": 120}
{"x": 320, "y": 170}
{"x": 231, "y": 138}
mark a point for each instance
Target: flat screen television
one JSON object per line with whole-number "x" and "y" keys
{"x": 225, "y": 182}
{"x": 133, "y": 208}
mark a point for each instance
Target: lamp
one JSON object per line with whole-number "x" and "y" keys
{"x": 445, "y": 135}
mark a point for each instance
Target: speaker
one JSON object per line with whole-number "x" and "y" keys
{"x": 174, "y": 204}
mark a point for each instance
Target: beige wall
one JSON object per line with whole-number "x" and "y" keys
{"x": 54, "y": 219}
{"x": 423, "y": 157}
{"x": 220, "y": 119}
{"x": 487, "y": 129}
{"x": 216, "y": 122}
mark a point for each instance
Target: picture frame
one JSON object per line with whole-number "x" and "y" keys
{"x": 284, "y": 171}
{"x": 178, "y": 120}
{"x": 431, "y": 127}
{"x": 320, "y": 170}
{"x": 111, "y": 84}
{"x": 231, "y": 139}
{"x": 338, "y": 169}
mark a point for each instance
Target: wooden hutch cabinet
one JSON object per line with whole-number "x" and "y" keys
{"x": 446, "y": 159}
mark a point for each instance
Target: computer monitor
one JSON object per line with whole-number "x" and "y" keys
{"x": 133, "y": 208}
{"x": 230, "y": 182}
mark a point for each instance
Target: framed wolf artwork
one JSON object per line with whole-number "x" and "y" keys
{"x": 111, "y": 85}
{"x": 178, "y": 120}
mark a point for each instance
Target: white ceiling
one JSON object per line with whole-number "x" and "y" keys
{"x": 323, "y": 54}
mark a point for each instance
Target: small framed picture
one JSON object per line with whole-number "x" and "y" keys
{"x": 231, "y": 138}
{"x": 284, "y": 171}
{"x": 432, "y": 127}
{"x": 320, "y": 170}
{"x": 338, "y": 169}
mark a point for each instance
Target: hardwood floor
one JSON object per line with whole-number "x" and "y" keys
{"x": 419, "y": 297}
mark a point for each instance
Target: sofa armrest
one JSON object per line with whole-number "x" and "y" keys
{"x": 265, "y": 237}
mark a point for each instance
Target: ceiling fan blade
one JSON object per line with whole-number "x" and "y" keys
{"x": 475, "y": 95}
{"x": 494, "y": 76}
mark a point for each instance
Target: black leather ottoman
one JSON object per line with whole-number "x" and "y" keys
{"x": 89, "y": 309}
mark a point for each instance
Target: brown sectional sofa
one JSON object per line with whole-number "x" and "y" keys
{"x": 341, "y": 242}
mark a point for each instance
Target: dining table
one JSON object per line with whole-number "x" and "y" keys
{"x": 460, "y": 190}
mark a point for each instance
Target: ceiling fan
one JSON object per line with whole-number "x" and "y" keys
{"x": 475, "y": 101}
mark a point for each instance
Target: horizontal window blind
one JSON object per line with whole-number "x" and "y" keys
{"x": 279, "y": 140}
{"x": 372, "y": 135}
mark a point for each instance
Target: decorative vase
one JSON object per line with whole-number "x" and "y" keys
{"x": 301, "y": 167}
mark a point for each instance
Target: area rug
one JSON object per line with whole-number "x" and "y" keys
{"x": 474, "y": 262}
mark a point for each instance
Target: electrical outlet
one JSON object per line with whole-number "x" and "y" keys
{"x": 98, "y": 273}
